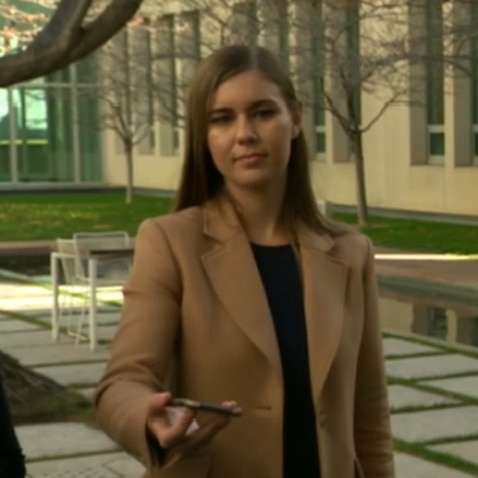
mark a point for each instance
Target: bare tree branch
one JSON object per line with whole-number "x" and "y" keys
{"x": 65, "y": 39}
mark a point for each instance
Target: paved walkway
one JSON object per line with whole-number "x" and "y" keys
{"x": 433, "y": 394}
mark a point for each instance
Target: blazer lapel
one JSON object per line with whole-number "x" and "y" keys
{"x": 231, "y": 268}
{"x": 325, "y": 283}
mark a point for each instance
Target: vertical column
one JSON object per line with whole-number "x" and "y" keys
{"x": 76, "y": 124}
{"x": 13, "y": 138}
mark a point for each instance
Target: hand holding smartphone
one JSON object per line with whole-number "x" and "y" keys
{"x": 172, "y": 422}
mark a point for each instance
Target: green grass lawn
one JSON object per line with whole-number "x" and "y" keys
{"x": 419, "y": 236}
{"x": 26, "y": 217}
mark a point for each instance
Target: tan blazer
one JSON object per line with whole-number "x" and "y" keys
{"x": 194, "y": 292}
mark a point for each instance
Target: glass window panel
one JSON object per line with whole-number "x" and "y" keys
{"x": 61, "y": 76}
{"x": 87, "y": 69}
{"x": 321, "y": 142}
{"x": 435, "y": 73}
{"x": 188, "y": 44}
{"x": 474, "y": 64}
{"x": 142, "y": 89}
{"x": 5, "y": 136}
{"x": 277, "y": 31}
{"x": 475, "y": 144}
{"x": 352, "y": 19}
{"x": 89, "y": 135}
{"x": 44, "y": 134}
{"x": 437, "y": 144}
{"x": 168, "y": 94}
{"x": 244, "y": 25}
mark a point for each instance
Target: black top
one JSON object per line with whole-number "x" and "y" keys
{"x": 280, "y": 273}
{"x": 12, "y": 463}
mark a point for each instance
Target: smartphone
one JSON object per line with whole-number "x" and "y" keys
{"x": 206, "y": 407}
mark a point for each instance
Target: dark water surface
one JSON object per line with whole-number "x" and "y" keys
{"x": 429, "y": 313}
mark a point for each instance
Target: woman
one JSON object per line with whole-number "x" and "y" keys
{"x": 12, "y": 461}
{"x": 247, "y": 295}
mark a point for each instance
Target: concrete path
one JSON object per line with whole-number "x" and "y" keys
{"x": 433, "y": 394}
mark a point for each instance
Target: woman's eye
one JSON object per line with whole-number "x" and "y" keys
{"x": 219, "y": 119}
{"x": 264, "y": 113}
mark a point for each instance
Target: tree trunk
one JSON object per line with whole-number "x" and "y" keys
{"x": 129, "y": 172}
{"x": 361, "y": 191}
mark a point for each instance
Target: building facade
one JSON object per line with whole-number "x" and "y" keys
{"x": 47, "y": 132}
{"x": 419, "y": 156}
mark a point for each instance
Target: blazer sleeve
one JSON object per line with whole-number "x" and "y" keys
{"x": 143, "y": 346}
{"x": 373, "y": 437}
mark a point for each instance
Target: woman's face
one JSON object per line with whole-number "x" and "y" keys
{"x": 250, "y": 129}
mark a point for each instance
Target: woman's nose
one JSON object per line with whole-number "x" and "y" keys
{"x": 245, "y": 130}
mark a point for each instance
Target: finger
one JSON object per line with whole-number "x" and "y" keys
{"x": 156, "y": 407}
{"x": 206, "y": 432}
{"x": 174, "y": 432}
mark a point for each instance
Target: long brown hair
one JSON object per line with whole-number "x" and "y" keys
{"x": 200, "y": 179}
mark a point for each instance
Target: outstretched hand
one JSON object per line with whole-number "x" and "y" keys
{"x": 175, "y": 428}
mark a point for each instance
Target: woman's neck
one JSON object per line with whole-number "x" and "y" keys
{"x": 261, "y": 216}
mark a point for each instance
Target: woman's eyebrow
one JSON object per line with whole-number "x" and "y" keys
{"x": 254, "y": 104}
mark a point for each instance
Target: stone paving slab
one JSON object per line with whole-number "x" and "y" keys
{"x": 88, "y": 373}
{"x": 20, "y": 339}
{"x": 467, "y": 450}
{"x": 61, "y": 439}
{"x": 434, "y": 366}
{"x": 106, "y": 332}
{"x": 44, "y": 301}
{"x": 408, "y": 466}
{"x": 435, "y": 424}
{"x": 16, "y": 289}
{"x": 401, "y": 397}
{"x": 102, "y": 317}
{"x": 111, "y": 465}
{"x": 17, "y": 325}
{"x": 465, "y": 385}
{"x": 120, "y": 465}
{"x": 38, "y": 313}
{"x": 57, "y": 353}
{"x": 394, "y": 346}
{"x": 22, "y": 304}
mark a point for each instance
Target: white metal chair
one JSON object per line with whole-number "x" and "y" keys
{"x": 108, "y": 271}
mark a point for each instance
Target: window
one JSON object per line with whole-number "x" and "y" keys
{"x": 353, "y": 62}
{"x": 5, "y": 135}
{"x": 167, "y": 87}
{"x": 435, "y": 81}
{"x": 142, "y": 89}
{"x": 244, "y": 27}
{"x": 44, "y": 133}
{"x": 474, "y": 84}
{"x": 276, "y": 29}
{"x": 41, "y": 133}
{"x": 189, "y": 36}
{"x": 317, "y": 48}
{"x": 188, "y": 46}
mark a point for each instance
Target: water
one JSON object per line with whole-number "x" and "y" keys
{"x": 452, "y": 322}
